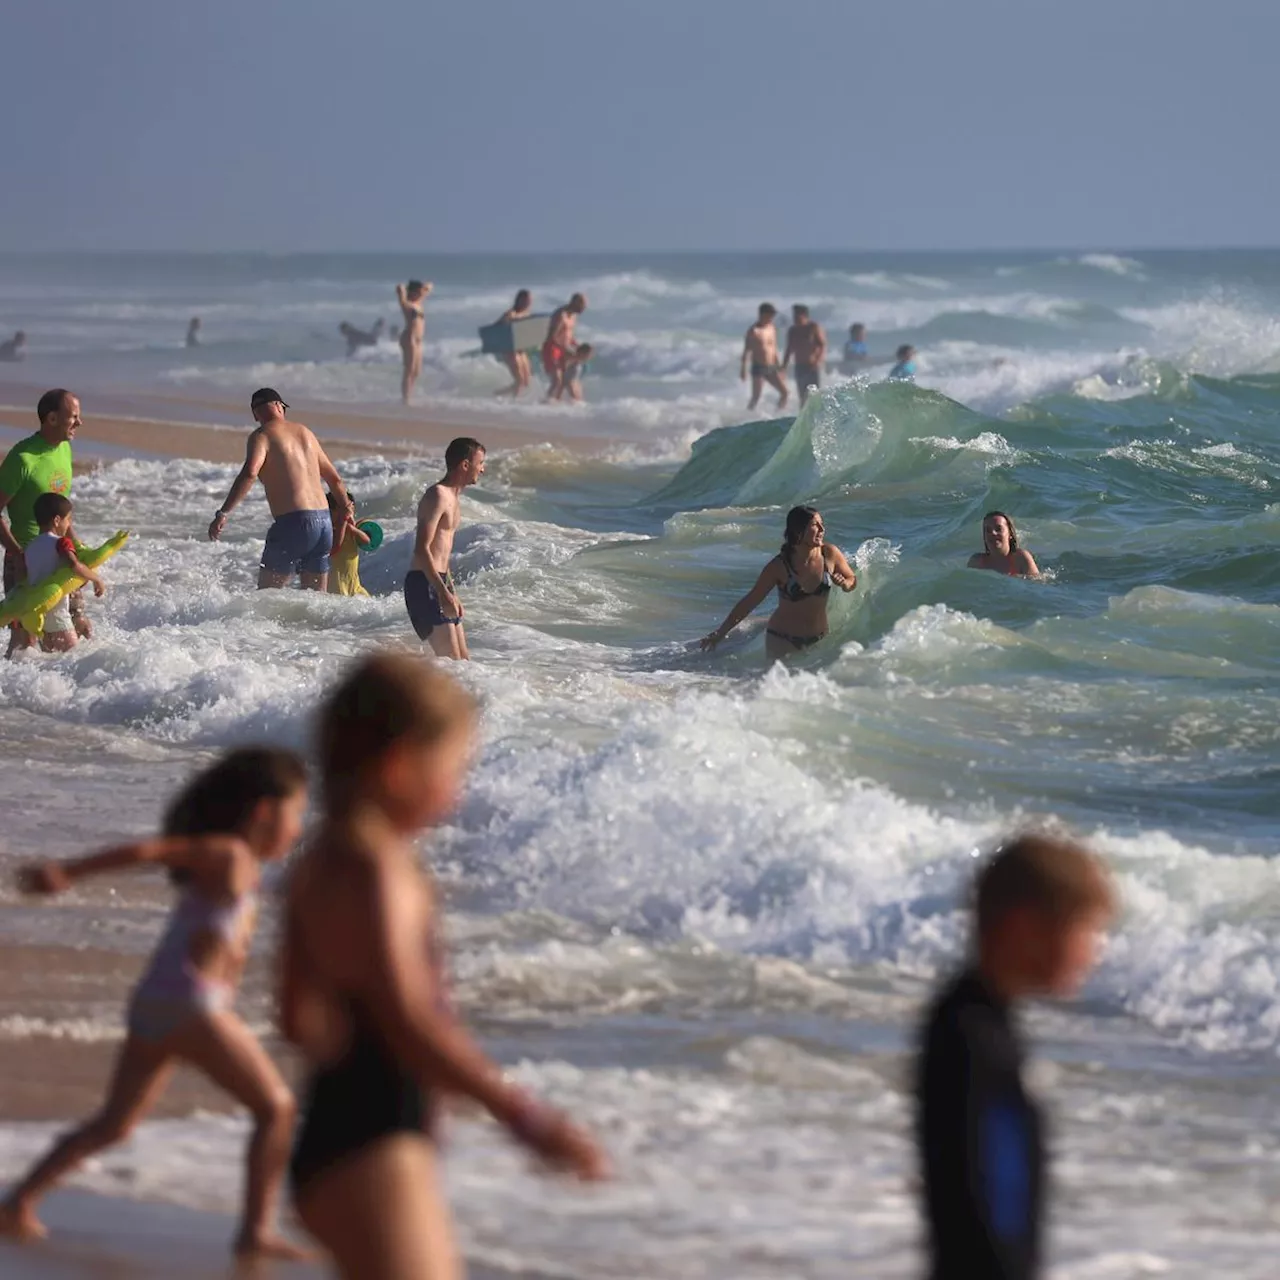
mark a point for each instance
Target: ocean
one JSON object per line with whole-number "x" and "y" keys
{"x": 699, "y": 899}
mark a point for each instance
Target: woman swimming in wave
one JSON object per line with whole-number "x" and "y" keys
{"x": 517, "y": 361}
{"x": 802, "y": 573}
{"x": 1001, "y": 552}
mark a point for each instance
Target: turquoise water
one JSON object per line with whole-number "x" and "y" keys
{"x": 702, "y": 898}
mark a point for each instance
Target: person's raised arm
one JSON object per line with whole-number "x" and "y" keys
{"x": 767, "y": 580}
{"x": 219, "y": 861}
{"x": 255, "y": 456}
{"x": 353, "y": 530}
{"x": 842, "y": 572}
{"x": 428, "y": 1040}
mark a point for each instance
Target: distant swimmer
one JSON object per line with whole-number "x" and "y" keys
{"x": 855, "y": 354}
{"x": 358, "y": 338}
{"x": 760, "y": 350}
{"x": 1001, "y": 552}
{"x": 15, "y": 349}
{"x": 905, "y": 368}
{"x": 517, "y": 362}
{"x": 429, "y": 592}
{"x": 294, "y": 469}
{"x": 561, "y": 343}
{"x": 802, "y": 573}
{"x": 807, "y": 342}
{"x": 412, "y": 297}
{"x": 193, "y": 332}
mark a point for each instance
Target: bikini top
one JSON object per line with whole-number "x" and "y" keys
{"x": 792, "y": 590}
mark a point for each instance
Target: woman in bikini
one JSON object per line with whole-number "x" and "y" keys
{"x": 802, "y": 573}
{"x": 243, "y": 811}
{"x": 1001, "y": 551}
{"x": 517, "y": 361}
{"x": 411, "y": 297}
{"x": 364, "y": 992}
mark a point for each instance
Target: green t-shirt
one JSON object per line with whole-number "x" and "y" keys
{"x": 32, "y": 467}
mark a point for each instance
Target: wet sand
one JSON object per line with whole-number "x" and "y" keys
{"x": 103, "y": 1238}
{"x": 215, "y": 430}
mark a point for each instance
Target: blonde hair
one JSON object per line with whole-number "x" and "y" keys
{"x": 384, "y": 700}
{"x": 1063, "y": 879}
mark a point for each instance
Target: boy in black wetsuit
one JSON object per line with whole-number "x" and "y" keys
{"x": 1041, "y": 903}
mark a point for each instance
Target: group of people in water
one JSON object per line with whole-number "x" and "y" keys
{"x": 364, "y": 991}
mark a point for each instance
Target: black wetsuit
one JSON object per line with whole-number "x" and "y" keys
{"x": 981, "y": 1140}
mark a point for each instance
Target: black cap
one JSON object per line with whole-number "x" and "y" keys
{"x": 265, "y": 395}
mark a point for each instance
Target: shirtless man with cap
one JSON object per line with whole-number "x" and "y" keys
{"x": 294, "y": 469}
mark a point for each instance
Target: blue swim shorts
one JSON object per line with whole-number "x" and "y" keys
{"x": 423, "y": 604}
{"x": 299, "y": 542}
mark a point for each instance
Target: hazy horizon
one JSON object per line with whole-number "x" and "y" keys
{"x": 649, "y": 126}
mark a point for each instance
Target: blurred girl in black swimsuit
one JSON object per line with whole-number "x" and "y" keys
{"x": 802, "y": 573}
{"x": 363, "y": 991}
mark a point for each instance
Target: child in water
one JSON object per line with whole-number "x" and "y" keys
{"x": 905, "y": 369}
{"x": 364, "y": 990}
{"x": 53, "y": 549}
{"x": 1040, "y": 906}
{"x": 574, "y": 363}
{"x": 344, "y": 559}
{"x": 242, "y": 812}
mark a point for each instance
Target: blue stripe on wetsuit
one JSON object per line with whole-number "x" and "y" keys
{"x": 1006, "y": 1163}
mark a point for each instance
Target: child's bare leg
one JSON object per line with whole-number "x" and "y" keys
{"x": 221, "y": 1046}
{"x": 381, "y": 1215}
{"x": 141, "y": 1072}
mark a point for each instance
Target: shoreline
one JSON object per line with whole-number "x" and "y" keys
{"x": 215, "y": 429}
{"x": 97, "y": 1237}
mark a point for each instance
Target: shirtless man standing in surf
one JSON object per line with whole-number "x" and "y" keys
{"x": 294, "y": 469}
{"x": 429, "y": 592}
{"x": 807, "y": 342}
{"x": 561, "y": 343}
{"x": 761, "y": 349}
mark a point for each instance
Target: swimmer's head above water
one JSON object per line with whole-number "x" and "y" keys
{"x": 804, "y": 530}
{"x": 999, "y": 537}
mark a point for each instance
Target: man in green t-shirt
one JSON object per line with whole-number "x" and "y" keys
{"x": 39, "y": 464}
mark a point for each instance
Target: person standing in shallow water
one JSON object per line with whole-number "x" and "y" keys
{"x": 517, "y": 362}
{"x": 430, "y": 595}
{"x": 1001, "y": 552}
{"x": 802, "y": 573}
{"x": 294, "y": 470}
{"x": 760, "y": 351}
{"x": 412, "y": 298}
{"x": 807, "y": 342}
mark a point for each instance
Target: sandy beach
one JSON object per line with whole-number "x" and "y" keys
{"x": 212, "y": 429}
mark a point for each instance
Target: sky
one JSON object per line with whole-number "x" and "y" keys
{"x": 642, "y": 125}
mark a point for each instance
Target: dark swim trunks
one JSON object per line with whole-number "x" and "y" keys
{"x": 299, "y": 542}
{"x": 424, "y": 605}
{"x": 763, "y": 370}
{"x": 808, "y": 375}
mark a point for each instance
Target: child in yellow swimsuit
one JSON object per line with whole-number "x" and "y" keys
{"x": 344, "y": 559}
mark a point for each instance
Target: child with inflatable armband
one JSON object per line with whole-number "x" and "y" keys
{"x": 45, "y": 554}
{"x": 344, "y": 559}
